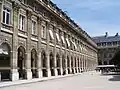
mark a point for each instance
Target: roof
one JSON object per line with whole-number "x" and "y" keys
{"x": 100, "y": 39}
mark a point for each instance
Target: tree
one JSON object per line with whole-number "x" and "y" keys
{"x": 116, "y": 59}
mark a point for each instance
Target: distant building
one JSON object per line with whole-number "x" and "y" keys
{"x": 107, "y": 47}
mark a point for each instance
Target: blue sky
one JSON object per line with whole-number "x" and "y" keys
{"x": 94, "y": 16}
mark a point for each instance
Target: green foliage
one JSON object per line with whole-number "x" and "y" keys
{"x": 116, "y": 59}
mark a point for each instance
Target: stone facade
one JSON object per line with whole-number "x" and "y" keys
{"x": 37, "y": 39}
{"x": 107, "y": 48}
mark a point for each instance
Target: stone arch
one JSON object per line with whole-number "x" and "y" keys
{"x": 21, "y": 62}
{"x": 58, "y": 63}
{"x": 68, "y": 64}
{"x": 5, "y": 56}
{"x": 78, "y": 61}
{"x": 63, "y": 64}
{"x": 75, "y": 59}
{"x": 72, "y": 65}
{"x": 52, "y": 66}
{"x": 44, "y": 63}
{"x": 34, "y": 63}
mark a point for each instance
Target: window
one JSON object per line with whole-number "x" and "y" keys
{"x": 51, "y": 33}
{"x": 43, "y": 31}
{"x": 6, "y": 15}
{"x": 22, "y": 22}
{"x": 33, "y": 27}
{"x": 58, "y": 38}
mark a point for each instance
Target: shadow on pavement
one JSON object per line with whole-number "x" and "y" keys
{"x": 115, "y": 78}
{"x": 109, "y": 74}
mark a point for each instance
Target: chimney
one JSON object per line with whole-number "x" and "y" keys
{"x": 106, "y": 34}
{"x": 117, "y": 34}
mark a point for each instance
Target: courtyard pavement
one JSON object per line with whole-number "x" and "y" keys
{"x": 85, "y": 81}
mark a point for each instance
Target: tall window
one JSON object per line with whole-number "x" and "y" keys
{"x": 33, "y": 27}
{"x": 6, "y": 15}
{"x": 22, "y": 22}
{"x": 43, "y": 31}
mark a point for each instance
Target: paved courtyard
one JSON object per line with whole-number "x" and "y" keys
{"x": 86, "y": 81}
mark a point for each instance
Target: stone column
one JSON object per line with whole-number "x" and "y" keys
{"x": 47, "y": 50}
{"x": 74, "y": 63}
{"x": 66, "y": 68}
{"x": 39, "y": 66}
{"x": 14, "y": 75}
{"x": 61, "y": 68}
{"x": 28, "y": 49}
{"x": 55, "y": 61}
{"x": 77, "y": 64}
{"x": 70, "y": 63}
{"x": 82, "y": 63}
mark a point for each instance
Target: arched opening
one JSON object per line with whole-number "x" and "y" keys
{"x": 58, "y": 64}
{"x": 75, "y": 65}
{"x": 63, "y": 65}
{"x": 52, "y": 67}
{"x": 44, "y": 63}
{"x": 68, "y": 64}
{"x": 5, "y": 61}
{"x": 34, "y": 63}
{"x": 78, "y": 65}
{"x": 21, "y": 62}
{"x": 72, "y": 65}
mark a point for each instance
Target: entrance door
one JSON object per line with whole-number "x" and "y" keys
{"x": 21, "y": 59}
{"x": 5, "y": 61}
{"x": 52, "y": 64}
{"x": 34, "y": 63}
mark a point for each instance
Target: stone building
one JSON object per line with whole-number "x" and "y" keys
{"x": 37, "y": 39}
{"x": 107, "y": 48}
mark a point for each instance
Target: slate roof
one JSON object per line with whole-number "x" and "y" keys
{"x": 101, "y": 39}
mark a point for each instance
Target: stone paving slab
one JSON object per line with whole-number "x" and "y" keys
{"x": 19, "y": 82}
{"x": 85, "y": 81}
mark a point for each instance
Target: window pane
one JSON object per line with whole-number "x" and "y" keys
{"x": 3, "y": 16}
{"x": 7, "y": 18}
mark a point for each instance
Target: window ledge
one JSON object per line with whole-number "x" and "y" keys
{"x": 8, "y": 25}
{"x": 6, "y": 30}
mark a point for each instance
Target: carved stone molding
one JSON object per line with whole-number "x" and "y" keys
{"x": 29, "y": 14}
{"x": 16, "y": 5}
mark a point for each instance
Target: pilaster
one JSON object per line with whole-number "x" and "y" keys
{"x": 47, "y": 50}
{"x": 39, "y": 64}
{"x": 28, "y": 49}
{"x": 55, "y": 61}
{"x": 14, "y": 75}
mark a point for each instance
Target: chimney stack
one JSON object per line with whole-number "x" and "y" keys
{"x": 117, "y": 34}
{"x": 106, "y": 34}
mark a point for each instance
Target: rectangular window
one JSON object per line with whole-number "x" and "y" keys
{"x": 6, "y": 15}
{"x": 22, "y": 22}
{"x": 33, "y": 27}
{"x": 43, "y": 31}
